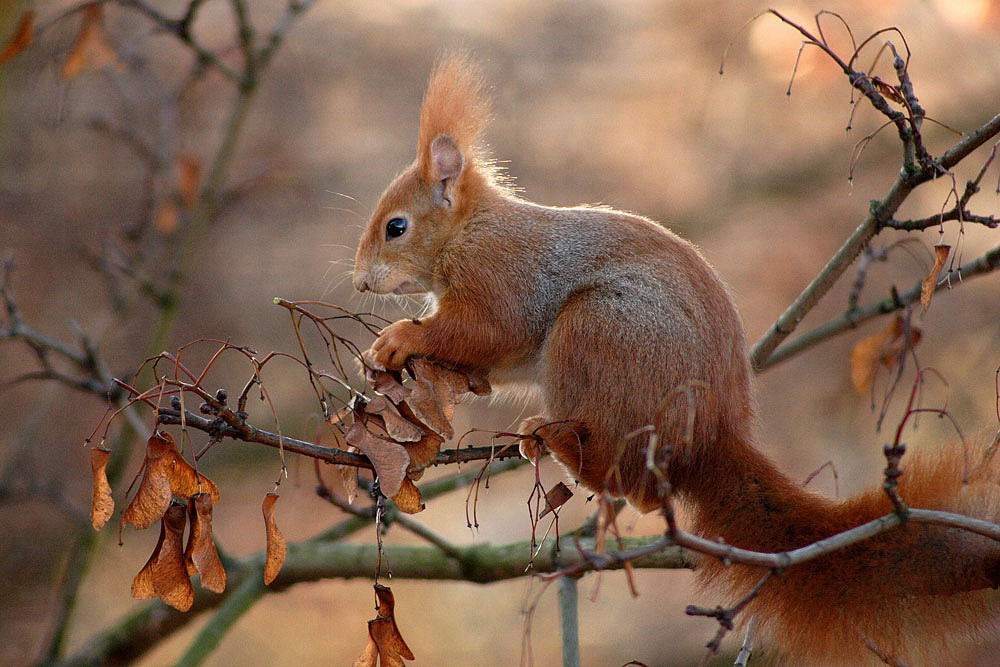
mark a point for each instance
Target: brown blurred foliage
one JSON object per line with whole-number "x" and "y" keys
{"x": 596, "y": 101}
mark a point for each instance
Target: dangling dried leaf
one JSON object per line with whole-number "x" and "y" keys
{"x": 886, "y": 90}
{"x": 893, "y": 351}
{"x": 408, "y": 498}
{"x": 185, "y": 481}
{"x": 21, "y": 38}
{"x": 555, "y": 498}
{"x": 165, "y": 472}
{"x": 201, "y": 554}
{"x": 167, "y": 218}
{"x": 152, "y": 498}
{"x": 463, "y": 383}
{"x": 868, "y": 353}
{"x": 930, "y": 282}
{"x": 398, "y": 428}
{"x": 92, "y": 50}
{"x": 349, "y": 474}
{"x": 165, "y": 573}
{"x": 384, "y": 640}
{"x": 188, "y": 180}
{"x": 388, "y": 383}
{"x": 276, "y": 545}
{"x": 432, "y": 400}
{"x": 368, "y": 657}
{"x": 102, "y": 505}
{"x": 142, "y": 584}
{"x": 389, "y": 458}
{"x": 170, "y": 578}
{"x": 423, "y": 451}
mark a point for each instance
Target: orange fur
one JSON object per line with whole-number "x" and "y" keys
{"x": 616, "y": 324}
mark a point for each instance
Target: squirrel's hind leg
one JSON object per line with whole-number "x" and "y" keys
{"x": 563, "y": 438}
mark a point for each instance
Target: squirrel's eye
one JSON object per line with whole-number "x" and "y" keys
{"x": 395, "y": 228}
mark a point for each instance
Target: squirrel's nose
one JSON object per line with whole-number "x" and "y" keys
{"x": 361, "y": 283}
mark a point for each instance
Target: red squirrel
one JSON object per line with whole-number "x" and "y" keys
{"x": 617, "y": 323}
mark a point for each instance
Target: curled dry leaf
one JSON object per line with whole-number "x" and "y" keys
{"x": 555, "y": 498}
{"x": 20, "y": 39}
{"x": 388, "y": 383}
{"x": 385, "y": 643}
{"x": 398, "y": 428}
{"x": 165, "y": 574}
{"x": 463, "y": 383}
{"x": 102, "y": 505}
{"x": 402, "y": 429}
{"x": 92, "y": 50}
{"x": 201, "y": 555}
{"x": 165, "y": 473}
{"x": 188, "y": 179}
{"x": 883, "y": 348}
{"x": 349, "y": 475}
{"x": 423, "y": 451}
{"x": 408, "y": 498}
{"x": 276, "y": 545}
{"x": 389, "y": 458}
{"x": 432, "y": 400}
{"x": 167, "y": 218}
{"x": 152, "y": 498}
{"x": 930, "y": 282}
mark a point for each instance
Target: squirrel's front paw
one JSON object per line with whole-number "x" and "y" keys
{"x": 397, "y": 343}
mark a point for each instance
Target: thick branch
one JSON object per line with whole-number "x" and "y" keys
{"x": 312, "y": 561}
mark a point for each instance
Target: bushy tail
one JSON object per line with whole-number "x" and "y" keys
{"x": 911, "y": 592}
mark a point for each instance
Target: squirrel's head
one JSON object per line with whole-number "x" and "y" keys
{"x": 427, "y": 205}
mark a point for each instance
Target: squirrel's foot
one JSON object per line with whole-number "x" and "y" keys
{"x": 530, "y": 444}
{"x": 398, "y": 342}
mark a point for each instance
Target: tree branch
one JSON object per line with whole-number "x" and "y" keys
{"x": 315, "y": 560}
{"x": 985, "y": 264}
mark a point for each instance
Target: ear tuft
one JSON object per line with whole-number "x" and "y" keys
{"x": 455, "y": 110}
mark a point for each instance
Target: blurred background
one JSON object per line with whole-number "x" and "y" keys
{"x": 614, "y": 102}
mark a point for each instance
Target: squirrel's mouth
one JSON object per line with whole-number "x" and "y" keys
{"x": 408, "y": 287}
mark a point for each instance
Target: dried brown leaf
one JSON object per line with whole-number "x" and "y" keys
{"x": 399, "y": 429}
{"x": 899, "y": 346}
{"x": 941, "y": 251}
{"x": 165, "y": 472}
{"x": 170, "y": 577}
{"x": 384, "y": 636}
{"x": 555, "y": 498}
{"x": 868, "y": 353}
{"x": 425, "y": 450}
{"x": 102, "y": 505}
{"x": 186, "y": 481}
{"x": 201, "y": 555}
{"x": 20, "y": 39}
{"x": 188, "y": 179}
{"x": 277, "y": 548}
{"x": 349, "y": 475}
{"x": 432, "y": 400}
{"x": 368, "y": 657}
{"x": 886, "y": 90}
{"x": 388, "y": 383}
{"x": 92, "y": 50}
{"x": 142, "y": 584}
{"x": 167, "y": 218}
{"x": 389, "y": 459}
{"x": 408, "y": 498}
{"x": 153, "y": 496}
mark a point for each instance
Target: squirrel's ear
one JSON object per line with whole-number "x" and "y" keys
{"x": 447, "y": 163}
